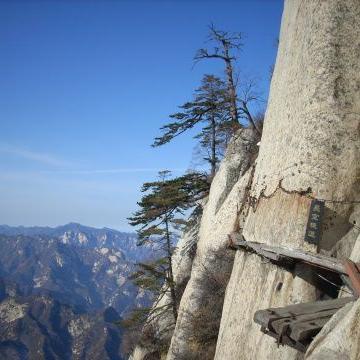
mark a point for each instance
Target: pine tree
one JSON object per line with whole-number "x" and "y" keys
{"x": 159, "y": 218}
{"x": 210, "y": 107}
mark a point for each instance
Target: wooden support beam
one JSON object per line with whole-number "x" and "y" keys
{"x": 353, "y": 270}
{"x": 285, "y": 340}
{"x": 308, "y": 326}
{"x": 279, "y": 253}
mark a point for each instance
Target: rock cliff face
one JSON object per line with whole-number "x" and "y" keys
{"x": 210, "y": 270}
{"x": 200, "y": 308}
{"x": 309, "y": 149}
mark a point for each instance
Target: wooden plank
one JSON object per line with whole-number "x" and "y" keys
{"x": 264, "y": 317}
{"x": 276, "y": 253}
{"x": 353, "y": 271}
{"x": 257, "y": 248}
{"x": 312, "y": 307}
{"x": 296, "y": 325}
{"x": 302, "y": 330}
{"x": 302, "y": 327}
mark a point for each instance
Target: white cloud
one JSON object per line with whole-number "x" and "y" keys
{"x": 40, "y": 157}
{"x": 114, "y": 171}
{"x": 66, "y": 167}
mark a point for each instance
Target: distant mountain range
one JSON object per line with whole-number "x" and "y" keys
{"x": 84, "y": 236}
{"x": 71, "y": 274}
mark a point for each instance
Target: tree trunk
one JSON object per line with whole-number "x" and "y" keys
{"x": 213, "y": 160}
{"x": 231, "y": 87}
{"x": 171, "y": 276}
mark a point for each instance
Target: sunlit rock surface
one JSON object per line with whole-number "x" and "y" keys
{"x": 309, "y": 149}
{"x": 213, "y": 262}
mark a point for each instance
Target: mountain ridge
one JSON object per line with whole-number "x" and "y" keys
{"x": 85, "y": 236}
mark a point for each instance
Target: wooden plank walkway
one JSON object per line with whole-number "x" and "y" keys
{"x": 296, "y": 325}
{"x": 280, "y": 253}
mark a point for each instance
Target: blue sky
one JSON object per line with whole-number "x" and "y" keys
{"x": 85, "y": 86}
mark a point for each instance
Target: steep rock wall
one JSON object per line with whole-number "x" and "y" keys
{"x": 201, "y": 304}
{"x": 309, "y": 149}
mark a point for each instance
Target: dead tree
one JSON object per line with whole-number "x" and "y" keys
{"x": 248, "y": 95}
{"x": 225, "y": 45}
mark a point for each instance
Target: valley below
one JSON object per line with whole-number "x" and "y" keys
{"x": 64, "y": 290}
